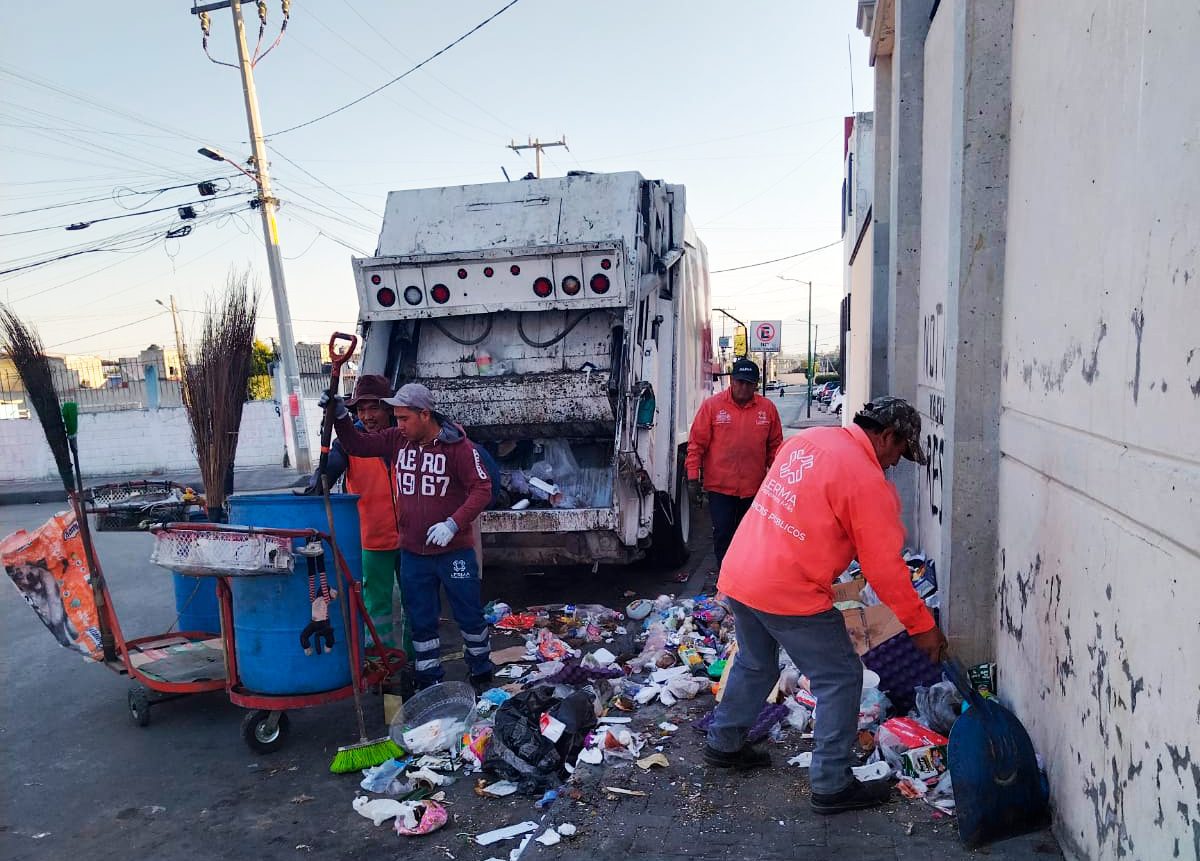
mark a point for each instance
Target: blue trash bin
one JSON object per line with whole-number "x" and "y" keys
{"x": 196, "y": 602}
{"x": 271, "y": 611}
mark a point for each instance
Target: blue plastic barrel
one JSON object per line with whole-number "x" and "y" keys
{"x": 271, "y": 611}
{"x": 196, "y": 597}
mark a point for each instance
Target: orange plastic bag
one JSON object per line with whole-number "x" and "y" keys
{"x": 50, "y": 570}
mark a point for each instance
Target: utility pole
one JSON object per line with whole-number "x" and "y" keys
{"x": 809, "y": 375}
{"x": 267, "y": 204}
{"x": 537, "y": 146}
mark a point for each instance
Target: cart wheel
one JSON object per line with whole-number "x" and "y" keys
{"x": 258, "y": 733}
{"x": 139, "y": 705}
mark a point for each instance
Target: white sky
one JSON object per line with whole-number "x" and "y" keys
{"x": 743, "y": 104}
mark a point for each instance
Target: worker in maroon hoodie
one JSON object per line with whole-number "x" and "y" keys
{"x": 441, "y": 486}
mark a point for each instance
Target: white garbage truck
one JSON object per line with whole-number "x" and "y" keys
{"x": 565, "y": 324}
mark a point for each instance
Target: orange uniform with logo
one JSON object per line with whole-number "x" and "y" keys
{"x": 824, "y": 502}
{"x": 733, "y": 443}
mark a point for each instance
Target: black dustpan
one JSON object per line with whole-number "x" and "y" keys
{"x": 997, "y": 787}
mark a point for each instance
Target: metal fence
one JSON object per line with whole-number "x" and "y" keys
{"x": 102, "y": 386}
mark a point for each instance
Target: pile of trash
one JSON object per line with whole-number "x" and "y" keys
{"x": 564, "y": 713}
{"x": 561, "y": 713}
{"x": 547, "y": 473}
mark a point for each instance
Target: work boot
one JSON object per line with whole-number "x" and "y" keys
{"x": 740, "y": 760}
{"x": 857, "y": 796}
{"x": 481, "y": 681}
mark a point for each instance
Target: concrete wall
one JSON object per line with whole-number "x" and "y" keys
{"x": 134, "y": 442}
{"x": 1098, "y": 580}
{"x": 858, "y": 342}
{"x": 939, "y": 98}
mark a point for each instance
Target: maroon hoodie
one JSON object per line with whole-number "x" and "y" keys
{"x": 443, "y": 478}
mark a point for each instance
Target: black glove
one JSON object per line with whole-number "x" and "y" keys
{"x": 695, "y": 491}
{"x": 339, "y": 405}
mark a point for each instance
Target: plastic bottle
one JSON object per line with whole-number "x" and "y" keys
{"x": 691, "y": 658}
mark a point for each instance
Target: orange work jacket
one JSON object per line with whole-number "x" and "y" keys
{"x": 824, "y": 502}
{"x": 733, "y": 444}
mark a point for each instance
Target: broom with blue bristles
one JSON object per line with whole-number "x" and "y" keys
{"x": 365, "y": 753}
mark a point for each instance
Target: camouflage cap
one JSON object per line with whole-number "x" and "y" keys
{"x": 902, "y": 417}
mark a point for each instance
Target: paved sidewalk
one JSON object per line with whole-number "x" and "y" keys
{"x": 51, "y": 490}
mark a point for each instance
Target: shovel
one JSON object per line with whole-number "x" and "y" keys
{"x": 997, "y": 786}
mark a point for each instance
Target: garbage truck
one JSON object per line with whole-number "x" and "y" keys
{"x": 564, "y": 323}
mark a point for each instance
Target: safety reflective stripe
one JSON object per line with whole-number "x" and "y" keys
{"x": 428, "y": 665}
{"x": 474, "y": 638}
{"x": 427, "y": 645}
{"x": 478, "y": 650}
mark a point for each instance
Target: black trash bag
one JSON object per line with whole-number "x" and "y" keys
{"x": 578, "y": 714}
{"x": 518, "y": 751}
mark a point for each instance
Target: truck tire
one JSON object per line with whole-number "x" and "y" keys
{"x": 672, "y": 525}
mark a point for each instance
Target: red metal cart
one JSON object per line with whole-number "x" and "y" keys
{"x": 265, "y": 726}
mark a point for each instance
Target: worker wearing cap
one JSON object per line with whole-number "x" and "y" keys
{"x": 441, "y": 487}
{"x": 374, "y": 480}
{"x": 824, "y": 502}
{"x": 731, "y": 444}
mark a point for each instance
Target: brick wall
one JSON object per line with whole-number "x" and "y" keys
{"x": 139, "y": 442}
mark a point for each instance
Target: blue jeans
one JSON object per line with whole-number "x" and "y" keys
{"x": 821, "y": 649}
{"x": 726, "y": 512}
{"x": 422, "y": 579}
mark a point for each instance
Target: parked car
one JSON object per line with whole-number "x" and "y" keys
{"x": 836, "y": 402}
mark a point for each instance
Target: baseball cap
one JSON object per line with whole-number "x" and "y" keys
{"x": 902, "y": 417}
{"x": 744, "y": 369}
{"x": 370, "y": 387}
{"x": 414, "y": 396}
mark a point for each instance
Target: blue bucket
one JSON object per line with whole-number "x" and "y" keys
{"x": 271, "y": 611}
{"x": 196, "y": 597}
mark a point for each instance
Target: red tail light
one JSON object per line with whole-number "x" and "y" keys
{"x": 515, "y": 269}
{"x": 376, "y": 280}
{"x": 606, "y": 263}
{"x": 440, "y": 293}
{"x": 571, "y": 285}
{"x": 543, "y": 287}
{"x": 412, "y": 295}
{"x": 488, "y": 271}
{"x": 462, "y": 274}
{"x": 385, "y": 296}
{"x": 600, "y": 283}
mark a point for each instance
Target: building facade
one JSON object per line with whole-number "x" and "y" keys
{"x": 1036, "y": 285}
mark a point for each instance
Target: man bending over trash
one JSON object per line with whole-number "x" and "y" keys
{"x": 441, "y": 487}
{"x": 824, "y": 502}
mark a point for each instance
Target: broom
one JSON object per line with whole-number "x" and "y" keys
{"x": 25, "y": 349}
{"x": 216, "y": 380}
{"x": 365, "y": 753}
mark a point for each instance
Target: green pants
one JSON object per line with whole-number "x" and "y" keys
{"x": 380, "y": 577}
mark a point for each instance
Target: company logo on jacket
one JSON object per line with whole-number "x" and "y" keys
{"x": 762, "y": 418}
{"x": 793, "y": 470}
{"x": 723, "y": 418}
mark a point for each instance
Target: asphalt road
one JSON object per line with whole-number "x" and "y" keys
{"x": 81, "y": 780}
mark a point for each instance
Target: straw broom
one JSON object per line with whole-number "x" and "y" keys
{"x": 216, "y": 376}
{"x": 25, "y": 348}
{"x": 28, "y": 355}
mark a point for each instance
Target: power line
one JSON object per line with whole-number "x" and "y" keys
{"x": 79, "y": 225}
{"x": 106, "y": 331}
{"x": 403, "y": 75}
{"x": 320, "y": 181}
{"x": 776, "y": 260}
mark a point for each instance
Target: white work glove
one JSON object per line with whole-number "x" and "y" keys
{"x": 441, "y": 533}
{"x": 339, "y": 405}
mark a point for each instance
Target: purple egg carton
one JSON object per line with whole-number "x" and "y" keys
{"x": 771, "y": 714}
{"x": 901, "y": 666}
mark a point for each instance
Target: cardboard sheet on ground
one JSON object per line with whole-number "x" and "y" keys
{"x": 511, "y": 655}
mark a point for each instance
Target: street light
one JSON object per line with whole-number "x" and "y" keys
{"x": 809, "y": 375}
{"x": 287, "y": 343}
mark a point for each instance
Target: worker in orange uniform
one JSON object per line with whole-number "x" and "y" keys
{"x": 824, "y": 502}
{"x": 731, "y": 444}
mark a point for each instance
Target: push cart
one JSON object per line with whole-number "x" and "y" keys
{"x": 239, "y": 555}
